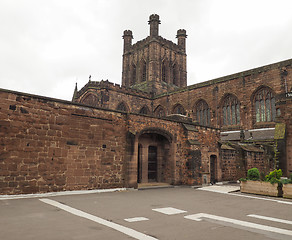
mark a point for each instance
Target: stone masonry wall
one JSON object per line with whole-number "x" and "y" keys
{"x": 49, "y": 145}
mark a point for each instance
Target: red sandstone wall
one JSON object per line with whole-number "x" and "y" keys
{"x": 48, "y": 145}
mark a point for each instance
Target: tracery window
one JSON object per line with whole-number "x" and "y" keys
{"x": 265, "y": 105}
{"x": 203, "y": 113}
{"x": 133, "y": 75}
{"x": 143, "y": 71}
{"x": 90, "y": 99}
{"x": 122, "y": 107}
{"x": 163, "y": 72}
{"x": 159, "y": 112}
{"x": 231, "y": 111}
{"x": 174, "y": 75}
{"x": 179, "y": 109}
{"x": 144, "y": 110}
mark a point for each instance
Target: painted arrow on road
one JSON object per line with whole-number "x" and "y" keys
{"x": 199, "y": 216}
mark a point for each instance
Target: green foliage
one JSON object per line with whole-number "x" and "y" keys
{"x": 253, "y": 174}
{"x": 287, "y": 180}
{"x": 242, "y": 179}
{"x": 274, "y": 175}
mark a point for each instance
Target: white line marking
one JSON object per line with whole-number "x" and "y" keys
{"x": 128, "y": 231}
{"x": 247, "y": 196}
{"x": 198, "y": 216}
{"x": 169, "y": 210}
{"x": 270, "y": 219}
{"x": 136, "y": 219}
{"x": 64, "y": 193}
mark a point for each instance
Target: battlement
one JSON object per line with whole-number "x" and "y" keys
{"x": 105, "y": 84}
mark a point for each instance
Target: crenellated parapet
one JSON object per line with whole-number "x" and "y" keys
{"x": 154, "y": 59}
{"x": 105, "y": 84}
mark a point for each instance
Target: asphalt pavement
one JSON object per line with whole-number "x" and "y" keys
{"x": 160, "y": 213}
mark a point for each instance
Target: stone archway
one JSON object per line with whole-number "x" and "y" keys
{"x": 155, "y": 158}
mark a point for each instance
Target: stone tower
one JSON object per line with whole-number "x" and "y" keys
{"x": 154, "y": 64}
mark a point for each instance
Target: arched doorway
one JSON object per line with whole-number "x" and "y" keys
{"x": 155, "y": 162}
{"x": 213, "y": 168}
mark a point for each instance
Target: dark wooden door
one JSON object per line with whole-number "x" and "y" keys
{"x": 152, "y": 164}
{"x": 213, "y": 168}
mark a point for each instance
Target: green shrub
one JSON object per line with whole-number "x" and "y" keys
{"x": 274, "y": 175}
{"x": 253, "y": 174}
{"x": 286, "y": 181}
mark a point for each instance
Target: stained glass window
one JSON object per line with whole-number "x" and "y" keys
{"x": 144, "y": 71}
{"x": 265, "y": 105}
{"x": 179, "y": 109}
{"x": 122, "y": 107}
{"x": 231, "y": 111}
{"x": 203, "y": 113}
{"x": 159, "y": 112}
{"x": 133, "y": 75}
{"x": 144, "y": 110}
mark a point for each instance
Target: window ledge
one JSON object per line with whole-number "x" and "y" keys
{"x": 264, "y": 124}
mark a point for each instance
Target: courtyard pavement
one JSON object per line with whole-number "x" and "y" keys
{"x": 209, "y": 212}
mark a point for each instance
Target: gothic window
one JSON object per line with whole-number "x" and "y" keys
{"x": 179, "y": 109}
{"x": 174, "y": 75}
{"x": 143, "y": 71}
{"x": 133, "y": 75}
{"x": 159, "y": 112}
{"x": 265, "y": 105}
{"x": 122, "y": 107}
{"x": 203, "y": 113}
{"x": 163, "y": 72}
{"x": 231, "y": 111}
{"x": 90, "y": 99}
{"x": 144, "y": 110}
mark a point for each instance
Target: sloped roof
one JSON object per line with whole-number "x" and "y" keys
{"x": 253, "y": 134}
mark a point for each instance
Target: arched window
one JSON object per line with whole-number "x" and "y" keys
{"x": 231, "y": 111}
{"x": 133, "y": 75}
{"x": 90, "y": 99}
{"x": 174, "y": 75}
{"x": 264, "y": 103}
{"x": 122, "y": 107}
{"x": 144, "y": 110}
{"x": 203, "y": 113}
{"x": 163, "y": 72}
{"x": 159, "y": 112}
{"x": 144, "y": 73}
{"x": 179, "y": 109}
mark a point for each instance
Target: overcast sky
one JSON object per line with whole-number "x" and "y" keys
{"x": 46, "y": 45}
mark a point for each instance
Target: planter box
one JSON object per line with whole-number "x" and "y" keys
{"x": 287, "y": 190}
{"x": 261, "y": 188}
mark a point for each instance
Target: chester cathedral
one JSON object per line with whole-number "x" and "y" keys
{"x": 153, "y": 128}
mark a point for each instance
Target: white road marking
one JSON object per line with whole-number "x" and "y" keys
{"x": 136, "y": 219}
{"x": 247, "y": 196}
{"x": 198, "y": 216}
{"x": 63, "y": 193}
{"x": 128, "y": 231}
{"x": 270, "y": 219}
{"x": 169, "y": 210}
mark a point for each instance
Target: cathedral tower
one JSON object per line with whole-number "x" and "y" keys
{"x": 154, "y": 64}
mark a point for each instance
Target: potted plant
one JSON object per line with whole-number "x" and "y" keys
{"x": 270, "y": 187}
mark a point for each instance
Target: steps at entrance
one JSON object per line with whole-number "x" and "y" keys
{"x": 151, "y": 185}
